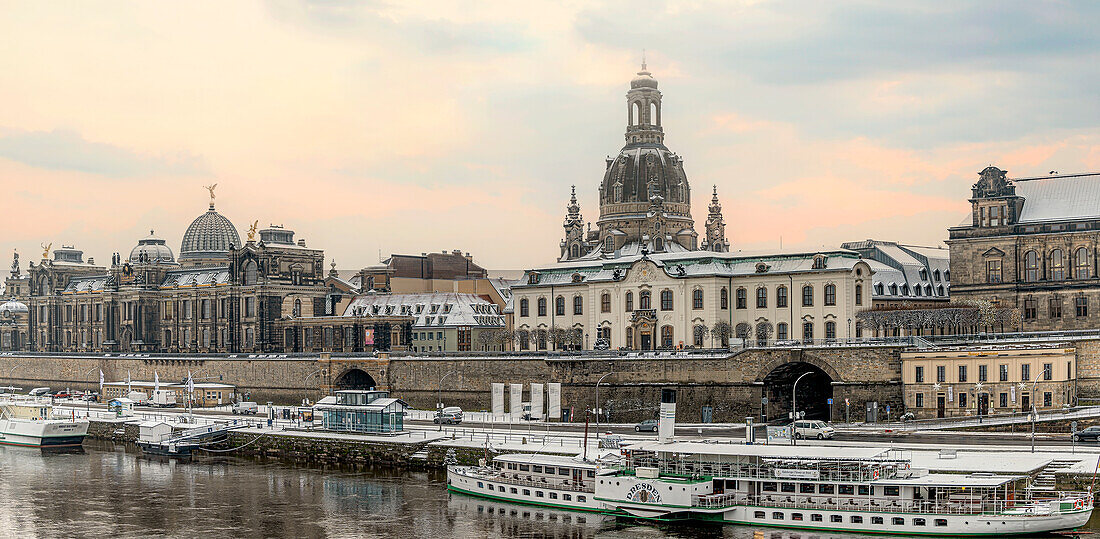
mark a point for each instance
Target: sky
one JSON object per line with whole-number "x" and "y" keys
{"x": 397, "y": 127}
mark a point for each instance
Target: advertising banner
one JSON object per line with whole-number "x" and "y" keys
{"x": 368, "y": 337}
{"x": 498, "y": 399}
{"x": 553, "y": 401}
{"x": 517, "y": 401}
{"x": 536, "y": 401}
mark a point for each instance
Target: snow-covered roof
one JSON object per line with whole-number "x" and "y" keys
{"x": 84, "y": 285}
{"x": 433, "y": 309}
{"x": 1059, "y": 198}
{"x": 196, "y": 277}
{"x": 906, "y": 271}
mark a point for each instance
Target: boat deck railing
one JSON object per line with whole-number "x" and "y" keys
{"x": 767, "y": 472}
{"x": 530, "y": 481}
{"x": 1045, "y": 505}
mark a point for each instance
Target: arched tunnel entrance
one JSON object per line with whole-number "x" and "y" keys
{"x": 356, "y": 379}
{"x": 814, "y": 391}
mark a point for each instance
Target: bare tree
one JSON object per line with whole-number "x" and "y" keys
{"x": 743, "y": 330}
{"x": 763, "y": 333}
{"x": 721, "y": 331}
{"x": 504, "y": 337}
{"x": 485, "y": 337}
{"x": 559, "y": 336}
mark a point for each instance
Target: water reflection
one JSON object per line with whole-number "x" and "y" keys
{"x": 110, "y": 491}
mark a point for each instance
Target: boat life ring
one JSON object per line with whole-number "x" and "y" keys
{"x": 1079, "y": 504}
{"x": 874, "y": 474}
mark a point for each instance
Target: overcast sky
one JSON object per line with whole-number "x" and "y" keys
{"x": 384, "y": 126}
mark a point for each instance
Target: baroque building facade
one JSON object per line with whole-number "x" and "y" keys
{"x": 220, "y": 295}
{"x": 643, "y": 281}
{"x": 1031, "y": 244}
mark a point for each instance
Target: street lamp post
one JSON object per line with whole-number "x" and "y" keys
{"x": 1034, "y": 413}
{"x": 598, "y": 406}
{"x": 439, "y": 405}
{"x": 794, "y": 408}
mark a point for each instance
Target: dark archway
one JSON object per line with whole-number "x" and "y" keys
{"x": 355, "y": 379}
{"x": 814, "y": 391}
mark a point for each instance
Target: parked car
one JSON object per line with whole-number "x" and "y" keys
{"x": 649, "y": 425}
{"x": 61, "y": 395}
{"x": 813, "y": 429}
{"x": 451, "y": 415}
{"x": 1088, "y": 434}
{"x": 245, "y": 407}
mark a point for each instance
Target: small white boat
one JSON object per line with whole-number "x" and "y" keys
{"x": 31, "y": 422}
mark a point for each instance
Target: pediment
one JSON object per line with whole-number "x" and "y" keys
{"x": 993, "y": 251}
{"x": 643, "y": 271}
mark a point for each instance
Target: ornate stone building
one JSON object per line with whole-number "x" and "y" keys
{"x": 220, "y": 295}
{"x": 1032, "y": 244}
{"x": 642, "y": 280}
{"x": 645, "y": 199}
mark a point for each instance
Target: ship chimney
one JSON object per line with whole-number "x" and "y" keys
{"x": 666, "y": 421}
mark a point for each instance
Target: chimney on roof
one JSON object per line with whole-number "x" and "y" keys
{"x": 91, "y": 261}
{"x": 301, "y": 242}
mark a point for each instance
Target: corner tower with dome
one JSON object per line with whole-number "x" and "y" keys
{"x": 645, "y": 198}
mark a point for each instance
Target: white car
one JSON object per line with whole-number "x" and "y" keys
{"x": 813, "y": 429}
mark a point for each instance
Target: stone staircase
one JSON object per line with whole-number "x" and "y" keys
{"x": 1045, "y": 480}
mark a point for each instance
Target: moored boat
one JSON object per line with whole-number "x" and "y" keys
{"x": 31, "y": 422}
{"x": 547, "y": 480}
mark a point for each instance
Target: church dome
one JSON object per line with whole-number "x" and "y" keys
{"x": 12, "y": 308}
{"x": 642, "y": 171}
{"x": 209, "y": 236}
{"x": 644, "y": 79}
{"x": 154, "y": 250}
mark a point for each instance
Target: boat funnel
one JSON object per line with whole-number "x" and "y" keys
{"x": 666, "y": 421}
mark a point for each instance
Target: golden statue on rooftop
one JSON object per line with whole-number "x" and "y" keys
{"x": 252, "y": 230}
{"x": 211, "y": 189}
{"x": 46, "y": 249}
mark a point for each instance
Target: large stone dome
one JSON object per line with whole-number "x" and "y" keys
{"x": 154, "y": 250}
{"x": 12, "y": 308}
{"x": 209, "y": 237}
{"x": 640, "y": 172}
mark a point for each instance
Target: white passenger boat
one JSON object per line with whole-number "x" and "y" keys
{"x": 547, "y": 480}
{"x": 31, "y": 422}
{"x": 849, "y": 489}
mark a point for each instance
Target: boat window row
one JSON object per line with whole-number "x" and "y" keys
{"x": 527, "y": 514}
{"x": 854, "y": 519}
{"x": 548, "y": 470}
{"x": 827, "y": 488}
{"x": 527, "y": 492}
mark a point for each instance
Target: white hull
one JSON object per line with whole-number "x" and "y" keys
{"x": 47, "y": 433}
{"x": 468, "y": 480}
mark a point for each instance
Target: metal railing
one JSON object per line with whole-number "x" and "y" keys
{"x": 497, "y": 477}
{"x": 1044, "y": 505}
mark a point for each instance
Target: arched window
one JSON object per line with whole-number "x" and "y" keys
{"x": 1057, "y": 265}
{"x": 168, "y": 338}
{"x": 807, "y": 332}
{"x": 1081, "y": 264}
{"x": 947, "y": 275}
{"x": 725, "y": 298}
{"x": 524, "y": 339}
{"x": 830, "y": 330}
{"x": 741, "y": 298}
{"x": 893, "y": 289}
{"x": 659, "y": 244}
{"x": 666, "y": 336}
{"x": 636, "y": 113}
{"x": 249, "y": 337}
{"x": 644, "y": 300}
{"x": 808, "y": 296}
{"x": 205, "y": 337}
{"x": 936, "y": 275}
{"x": 940, "y": 290}
{"x": 559, "y": 306}
{"x": 297, "y": 308}
{"x": 781, "y": 297}
{"x": 250, "y": 273}
{"x": 830, "y": 294}
{"x": 762, "y": 297}
{"x": 859, "y": 294}
{"x": 542, "y": 307}
{"x": 666, "y": 300}
{"x": 781, "y": 333}
{"x": 629, "y": 302}
{"x": 524, "y": 307}
{"x": 605, "y": 302}
{"x": 696, "y": 299}
{"x": 578, "y": 305}
{"x": 928, "y": 290}
{"x": 1031, "y": 266}
{"x": 574, "y": 251}
{"x": 905, "y": 289}
{"x": 697, "y": 335}
{"x": 609, "y": 242}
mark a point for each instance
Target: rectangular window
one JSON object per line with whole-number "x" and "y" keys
{"x": 1055, "y": 308}
{"x": 781, "y": 331}
{"x": 1004, "y": 400}
{"x": 758, "y": 514}
{"x": 865, "y": 490}
{"x": 605, "y": 303}
{"x": 940, "y": 522}
{"x": 808, "y": 332}
{"x": 962, "y": 373}
{"x": 941, "y": 373}
{"x": 846, "y": 490}
{"x": 919, "y": 400}
{"x": 1003, "y": 373}
{"x": 1048, "y": 399}
{"x": 776, "y": 515}
{"x": 806, "y": 488}
{"x": 836, "y": 518}
{"x": 859, "y": 294}
{"x": 1048, "y": 371}
{"x": 919, "y": 374}
{"x": 856, "y": 519}
{"x": 761, "y": 298}
{"x": 807, "y": 296}
{"x": 781, "y": 297}
{"x": 962, "y": 400}
{"x": 786, "y": 487}
{"x": 891, "y": 491}
{"x": 825, "y": 488}
{"x": 796, "y": 516}
{"x": 876, "y": 520}
{"x": 1031, "y": 309}
{"x": 1025, "y": 372}
{"x": 918, "y": 522}
{"x": 768, "y": 487}
{"x": 1081, "y": 304}
{"x": 983, "y": 373}
{"x": 993, "y": 271}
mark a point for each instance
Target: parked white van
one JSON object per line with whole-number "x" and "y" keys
{"x": 813, "y": 429}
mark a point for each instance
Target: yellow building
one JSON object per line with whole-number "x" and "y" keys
{"x": 967, "y": 381}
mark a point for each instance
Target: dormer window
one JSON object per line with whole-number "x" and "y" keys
{"x": 924, "y": 275}
{"x": 447, "y": 308}
{"x": 435, "y": 308}
{"x": 419, "y": 308}
{"x": 820, "y": 261}
{"x": 893, "y": 290}
{"x": 936, "y": 275}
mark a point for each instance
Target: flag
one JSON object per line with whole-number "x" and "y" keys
{"x": 101, "y": 382}
{"x": 156, "y": 382}
{"x": 190, "y": 384}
